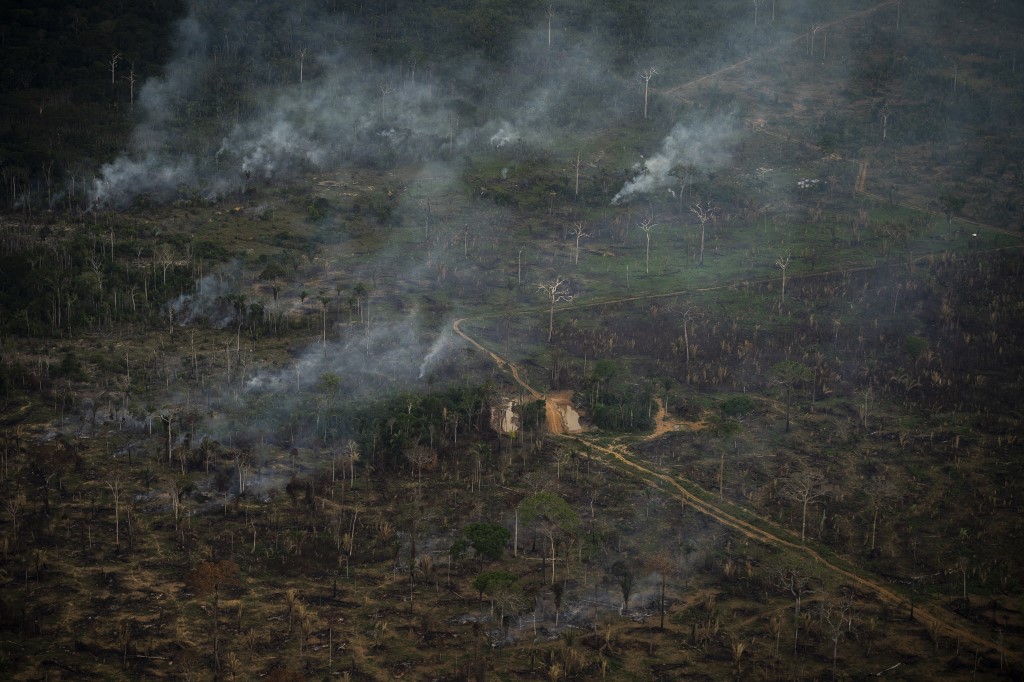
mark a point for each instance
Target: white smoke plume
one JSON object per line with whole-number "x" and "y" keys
{"x": 437, "y": 352}
{"x": 506, "y": 134}
{"x": 391, "y": 355}
{"x": 196, "y": 137}
{"x": 705, "y": 145}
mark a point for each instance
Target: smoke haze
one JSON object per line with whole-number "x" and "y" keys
{"x": 703, "y": 145}
{"x": 318, "y": 103}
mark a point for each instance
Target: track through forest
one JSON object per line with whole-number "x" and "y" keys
{"x": 758, "y": 529}
{"x": 677, "y": 90}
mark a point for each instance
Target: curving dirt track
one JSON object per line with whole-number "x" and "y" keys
{"x": 860, "y": 182}
{"x": 678, "y": 89}
{"x": 665, "y": 423}
{"x": 759, "y": 529}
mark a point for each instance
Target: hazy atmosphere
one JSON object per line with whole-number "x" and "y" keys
{"x": 442, "y": 340}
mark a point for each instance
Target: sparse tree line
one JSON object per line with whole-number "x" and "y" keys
{"x": 440, "y": 442}
{"x": 953, "y": 296}
{"x": 224, "y": 540}
{"x": 226, "y": 550}
{"x": 812, "y": 361}
{"x": 409, "y": 43}
{"x": 59, "y": 286}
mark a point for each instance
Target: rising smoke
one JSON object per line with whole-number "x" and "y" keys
{"x": 202, "y": 133}
{"x": 704, "y": 145}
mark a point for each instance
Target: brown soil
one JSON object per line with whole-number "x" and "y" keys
{"x": 666, "y": 423}
{"x": 765, "y": 531}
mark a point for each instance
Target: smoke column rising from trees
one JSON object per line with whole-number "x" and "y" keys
{"x": 229, "y": 108}
{"x": 704, "y": 145}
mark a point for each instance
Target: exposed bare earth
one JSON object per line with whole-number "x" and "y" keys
{"x": 758, "y": 529}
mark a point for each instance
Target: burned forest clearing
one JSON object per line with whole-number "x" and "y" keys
{"x": 631, "y": 341}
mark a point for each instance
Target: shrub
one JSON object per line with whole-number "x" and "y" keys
{"x": 737, "y": 405}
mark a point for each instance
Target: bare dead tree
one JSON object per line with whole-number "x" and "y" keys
{"x": 325, "y": 303}
{"x": 577, "y": 174}
{"x": 453, "y": 125}
{"x": 646, "y": 226}
{"x": 783, "y": 262}
{"x": 385, "y": 90}
{"x": 882, "y": 491}
{"x": 704, "y": 212}
{"x": 864, "y": 409}
{"x": 837, "y": 616}
{"x": 806, "y": 486}
{"x": 209, "y": 578}
{"x": 797, "y": 582}
{"x": 814, "y": 32}
{"x": 164, "y": 256}
{"x": 421, "y": 457}
{"x": 115, "y": 489}
{"x": 579, "y": 233}
{"x": 114, "y": 59}
{"x": 646, "y": 77}
{"x": 426, "y": 222}
{"x": 557, "y": 291}
{"x": 174, "y": 492}
{"x": 351, "y": 455}
{"x": 687, "y": 317}
{"x": 302, "y": 63}
{"x": 14, "y": 505}
{"x": 551, "y": 16}
{"x": 131, "y": 84}
{"x": 662, "y": 564}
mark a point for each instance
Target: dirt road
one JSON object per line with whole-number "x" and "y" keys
{"x": 743, "y": 521}
{"x": 679, "y": 89}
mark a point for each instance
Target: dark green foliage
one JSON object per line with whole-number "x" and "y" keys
{"x": 951, "y": 203}
{"x": 790, "y": 372}
{"x": 626, "y": 411}
{"x": 57, "y": 288}
{"x": 273, "y": 271}
{"x": 204, "y": 249}
{"x": 915, "y": 345}
{"x": 546, "y": 507}
{"x": 71, "y": 367}
{"x": 530, "y": 185}
{"x": 318, "y": 209}
{"x": 737, "y": 405}
{"x": 625, "y": 577}
{"x": 489, "y": 581}
{"x": 390, "y": 427}
{"x": 532, "y": 415}
{"x": 722, "y": 428}
{"x": 615, "y": 402}
{"x": 487, "y": 539}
